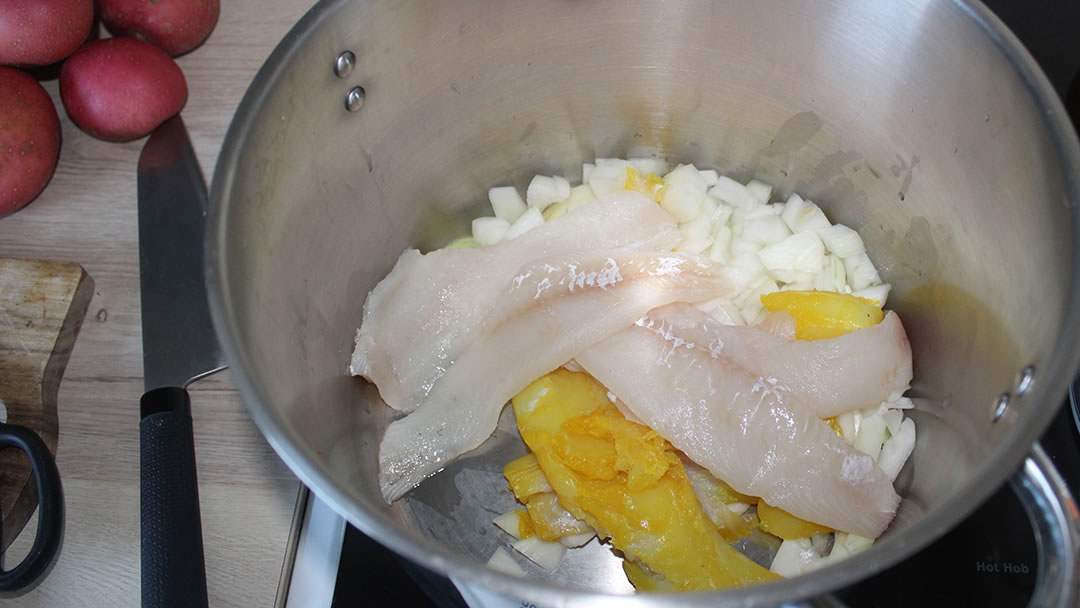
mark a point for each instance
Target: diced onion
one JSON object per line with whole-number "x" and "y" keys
{"x": 684, "y": 193}
{"x": 510, "y": 523}
{"x": 877, "y": 294}
{"x": 833, "y": 276}
{"x": 721, "y": 247}
{"x": 734, "y": 193}
{"x": 760, "y": 190}
{"x": 694, "y": 246}
{"x": 545, "y": 554}
{"x": 766, "y": 230}
{"x": 710, "y": 176}
{"x": 544, "y": 191}
{"x": 897, "y": 449}
{"x": 506, "y": 203}
{"x": 802, "y": 215}
{"x": 656, "y": 166}
{"x": 740, "y": 246}
{"x": 697, "y": 229}
{"x": 745, "y": 270}
{"x": 861, "y": 272}
{"x": 528, "y": 220}
{"x": 842, "y": 241}
{"x": 609, "y": 175}
{"x": 489, "y": 230}
{"x": 871, "y": 435}
{"x": 801, "y": 251}
{"x": 579, "y": 195}
{"x": 794, "y": 557}
{"x": 502, "y": 562}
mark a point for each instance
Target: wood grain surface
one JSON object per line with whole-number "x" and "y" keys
{"x": 87, "y": 214}
{"x": 42, "y": 305}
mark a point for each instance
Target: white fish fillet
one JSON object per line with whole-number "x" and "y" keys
{"x": 831, "y": 376}
{"x": 560, "y": 306}
{"x": 745, "y": 428}
{"x": 420, "y": 317}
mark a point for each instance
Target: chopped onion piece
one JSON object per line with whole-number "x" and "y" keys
{"x": 903, "y": 403}
{"x": 802, "y": 215}
{"x": 734, "y": 193}
{"x": 556, "y": 210}
{"x": 528, "y": 220}
{"x": 861, "y": 272}
{"x": 893, "y": 419}
{"x": 489, "y": 230}
{"x": 684, "y": 193}
{"x": 699, "y": 228}
{"x": 801, "y": 251}
{"x": 794, "y": 557}
{"x": 586, "y": 171}
{"x": 737, "y": 507}
{"x": 833, "y": 276}
{"x": 877, "y": 294}
{"x": 709, "y": 175}
{"x": 842, "y": 241}
{"x": 740, "y": 246}
{"x": 760, "y": 190}
{"x": 656, "y": 166}
{"x": 579, "y": 195}
{"x": 750, "y": 301}
{"x": 721, "y": 248}
{"x": 721, "y": 214}
{"x": 792, "y": 276}
{"x": 544, "y": 191}
{"x": 502, "y": 562}
{"x": 766, "y": 230}
{"x": 848, "y": 426}
{"x": 897, "y": 449}
{"x": 510, "y": 523}
{"x": 464, "y": 242}
{"x": 506, "y": 202}
{"x": 609, "y": 175}
{"x": 871, "y": 435}
{"x": 745, "y": 270}
{"x": 545, "y": 554}
{"x": 573, "y": 541}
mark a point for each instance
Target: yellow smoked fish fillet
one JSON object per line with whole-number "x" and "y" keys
{"x": 627, "y": 482}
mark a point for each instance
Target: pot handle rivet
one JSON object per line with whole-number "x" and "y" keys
{"x": 1024, "y": 380}
{"x": 344, "y": 64}
{"x": 354, "y": 99}
{"x": 1000, "y": 406}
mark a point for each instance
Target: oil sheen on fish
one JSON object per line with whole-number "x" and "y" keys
{"x": 552, "y": 309}
{"x": 831, "y": 376}
{"x": 746, "y": 428}
{"x": 422, "y": 315}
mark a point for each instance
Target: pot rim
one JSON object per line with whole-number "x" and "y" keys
{"x": 1047, "y": 394}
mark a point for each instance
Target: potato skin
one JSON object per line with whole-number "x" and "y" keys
{"x": 41, "y": 32}
{"x": 29, "y": 139}
{"x": 175, "y": 26}
{"x": 119, "y": 89}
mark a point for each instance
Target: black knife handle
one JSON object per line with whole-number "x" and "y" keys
{"x": 173, "y": 567}
{"x": 50, "y": 526}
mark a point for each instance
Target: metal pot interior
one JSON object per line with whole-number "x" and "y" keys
{"x": 921, "y": 124}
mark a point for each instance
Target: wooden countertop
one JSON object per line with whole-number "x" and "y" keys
{"x": 87, "y": 214}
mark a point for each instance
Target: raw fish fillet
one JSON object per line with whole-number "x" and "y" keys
{"x": 745, "y": 428}
{"x": 830, "y": 376}
{"x": 554, "y": 309}
{"x": 420, "y": 318}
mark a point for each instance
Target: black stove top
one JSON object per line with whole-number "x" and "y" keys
{"x": 989, "y": 560}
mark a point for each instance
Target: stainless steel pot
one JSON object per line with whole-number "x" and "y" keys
{"x": 923, "y": 124}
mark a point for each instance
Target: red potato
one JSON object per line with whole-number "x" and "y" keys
{"x": 29, "y": 139}
{"x": 121, "y": 88}
{"x": 176, "y": 26}
{"x": 40, "y": 32}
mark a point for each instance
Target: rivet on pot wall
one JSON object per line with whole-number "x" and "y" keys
{"x": 354, "y": 99}
{"x": 1000, "y": 406}
{"x": 344, "y": 64}
{"x": 1023, "y": 381}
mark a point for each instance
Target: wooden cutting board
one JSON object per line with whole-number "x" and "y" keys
{"x": 42, "y": 305}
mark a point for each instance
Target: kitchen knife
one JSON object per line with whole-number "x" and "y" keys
{"x": 178, "y": 347}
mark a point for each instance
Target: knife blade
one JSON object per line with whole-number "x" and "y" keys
{"x": 179, "y": 347}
